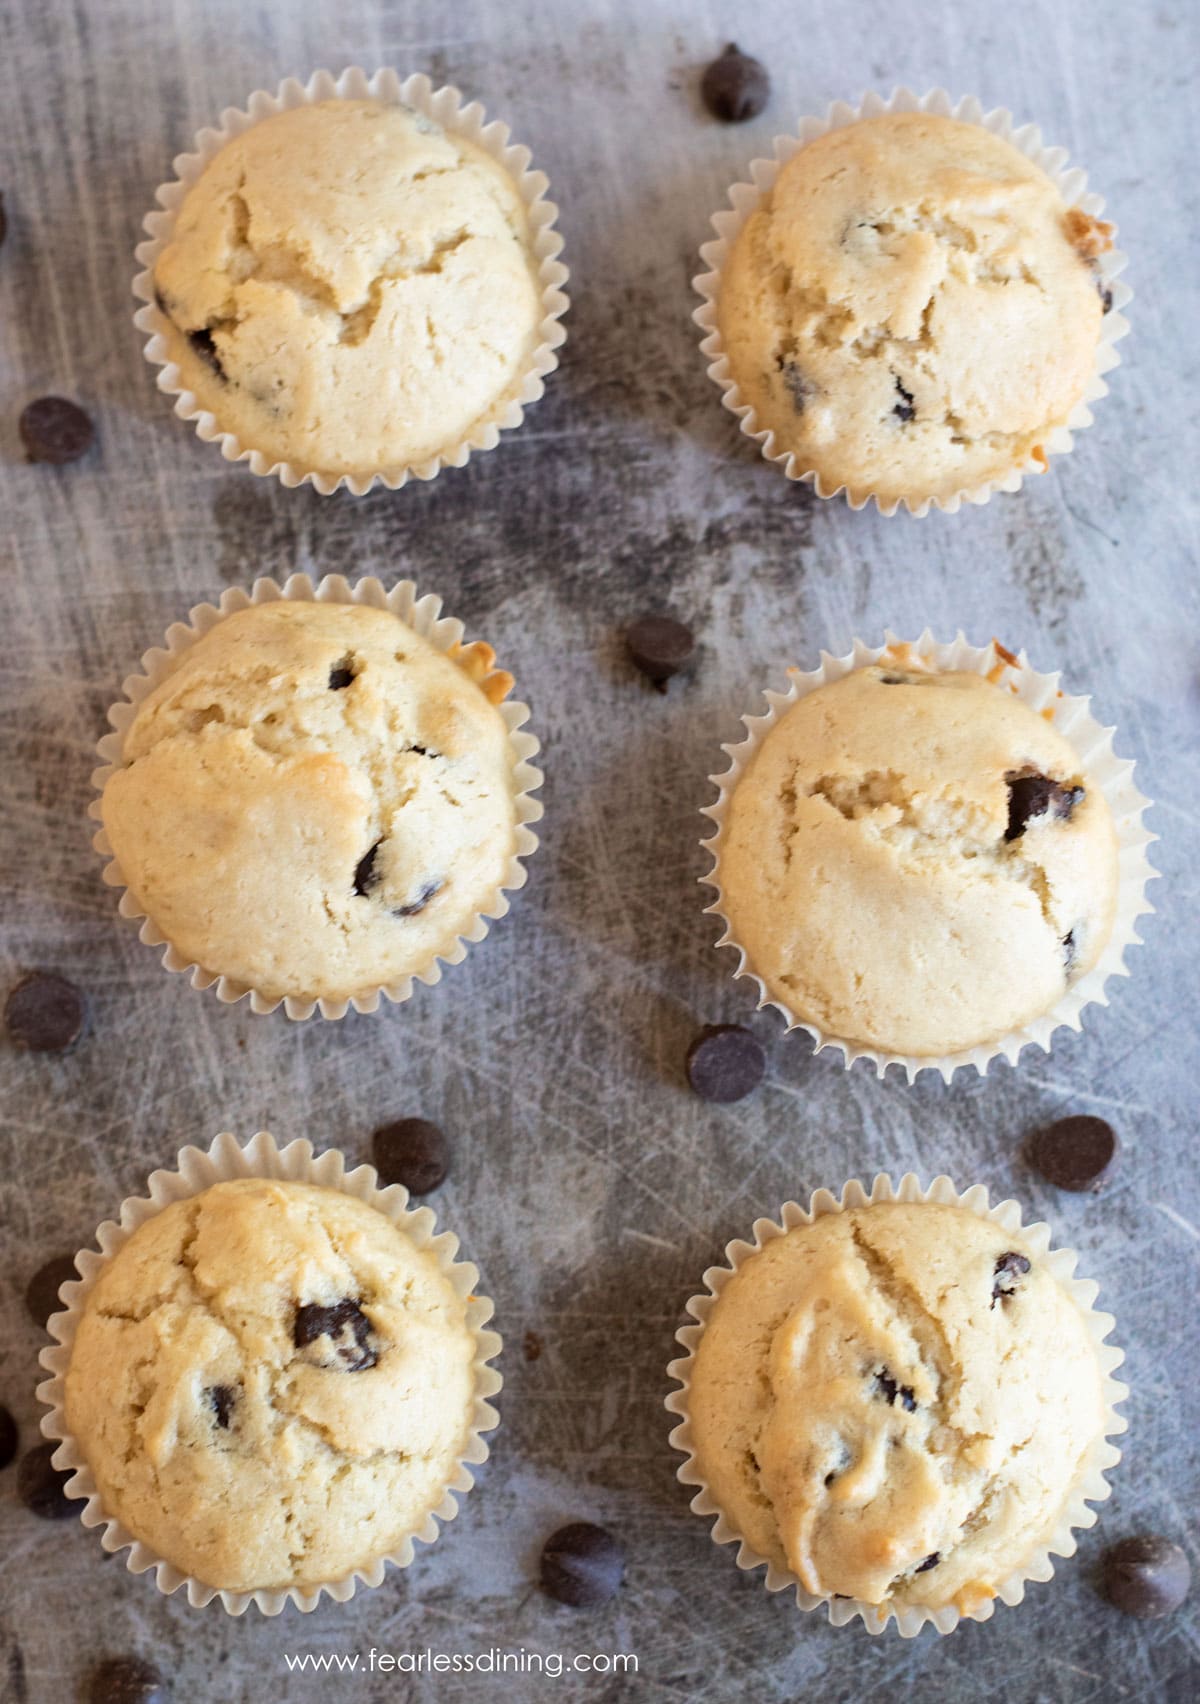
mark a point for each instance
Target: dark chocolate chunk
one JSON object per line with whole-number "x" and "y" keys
{"x": 659, "y": 646}
{"x": 1031, "y": 795}
{"x": 1068, "y": 948}
{"x": 40, "y": 1484}
{"x": 905, "y": 408}
{"x": 582, "y": 1565}
{"x": 8, "y": 1437}
{"x": 1146, "y": 1576}
{"x": 56, "y": 431}
{"x": 221, "y": 1399}
{"x": 1009, "y": 1268}
{"x": 725, "y": 1063}
{"x": 1105, "y": 296}
{"x": 127, "y": 1680}
{"x": 1073, "y": 1153}
{"x": 366, "y": 875}
{"x": 420, "y": 902}
{"x": 202, "y": 342}
{"x": 41, "y": 1292}
{"x": 340, "y": 675}
{"x": 799, "y": 389}
{"x": 735, "y": 87}
{"x": 346, "y": 1326}
{"x": 45, "y": 1013}
{"x": 894, "y": 1393}
{"x": 930, "y": 1561}
{"x": 413, "y": 1152}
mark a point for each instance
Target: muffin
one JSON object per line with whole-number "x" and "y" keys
{"x": 912, "y": 309}
{"x": 915, "y": 862}
{"x": 271, "y": 1384}
{"x": 351, "y": 289}
{"x": 896, "y": 1403}
{"x": 316, "y": 802}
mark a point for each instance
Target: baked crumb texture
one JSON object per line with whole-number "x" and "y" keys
{"x": 895, "y": 1403}
{"x": 912, "y": 309}
{"x": 272, "y": 1385}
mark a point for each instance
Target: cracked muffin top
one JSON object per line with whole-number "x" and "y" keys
{"x": 914, "y": 861}
{"x": 895, "y": 1403}
{"x": 913, "y": 308}
{"x": 272, "y": 1384}
{"x": 316, "y": 801}
{"x": 350, "y": 289}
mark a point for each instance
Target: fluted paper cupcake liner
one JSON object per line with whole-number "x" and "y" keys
{"x": 1092, "y": 743}
{"x": 1090, "y": 1485}
{"x": 445, "y": 106}
{"x": 744, "y": 197}
{"x": 197, "y": 1169}
{"x": 423, "y": 615}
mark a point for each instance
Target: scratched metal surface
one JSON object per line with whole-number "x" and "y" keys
{"x": 591, "y": 1189}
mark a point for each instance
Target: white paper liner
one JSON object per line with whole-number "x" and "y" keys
{"x": 445, "y": 107}
{"x": 1072, "y": 718}
{"x": 423, "y": 615}
{"x": 745, "y": 197}
{"x": 196, "y": 1169}
{"x": 1090, "y": 1487}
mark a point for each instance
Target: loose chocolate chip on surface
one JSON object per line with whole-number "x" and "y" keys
{"x": 735, "y": 87}
{"x": 127, "y": 1680}
{"x": 1009, "y": 1268}
{"x": 45, "y": 1013}
{"x": 659, "y": 646}
{"x": 56, "y": 431}
{"x": 41, "y": 1292}
{"x": 8, "y": 1437}
{"x": 346, "y": 1326}
{"x": 725, "y": 1063}
{"x": 531, "y": 1346}
{"x": 895, "y": 1393}
{"x": 412, "y": 1152}
{"x": 340, "y": 677}
{"x": 202, "y": 342}
{"x": 365, "y": 874}
{"x": 221, "y": 1399}
{"x": 929, "y": 1562}
{"x": 40, "y": 1485}
{"x": 414, "y": 906}
{"x": 904, "y": 409}
{"x": 1147, "y": 1576}
{"x": 1073, "y": 1153}
{"x": 1033, "y": 795}
{"x": 582, "y": 1565}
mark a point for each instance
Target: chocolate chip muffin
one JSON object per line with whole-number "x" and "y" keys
{"x": 316, "y": 802}
{"x": 351, "y": 289}
{"x": 895, "y": 1403}
{"x": 913, "y": 308}
{"x": 915, "y": 862}
{"x": 272, "y": 1385}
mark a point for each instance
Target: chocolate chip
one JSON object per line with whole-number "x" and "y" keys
{"x": 930, "y": 1561}
{"x": 365, "y": 874}
{"x": 221, "y": 1399}
{"x": 413, "y": 1152}
{"x": 1146, "y": 1576}
{"x": 1031, "y": 795}
{"x": 735, "y": 87}
{"x": 725, "y": 1063}
{"x": 1106, "y": 298}
{"x": 1073, "y": 1153}
{"x": 56, "y": 431}
{"x": 40, "y": 1484}
{"x": 202, "y": 342}
{"x": 340, "y": 676}
{"x": 893, "y": 1392}
{"x": 531, "y": 1346}
{"x": 41, "y": 1292}
{"x": 45, "y": 1013}
{"x": 127, "y": 1680}
{"x": 800, "y": 390}
{"x": 418, "y": 904}
{"x": 582, "y": 1565}
{"x": 347, "y": 1328}
{"x": 659, "y": 646}
{"x": 905, "y": 408}
{"x": 8, "y": 1437}
{"x": 1068, "y": 949}
{"x": 1008, "y": 1269}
